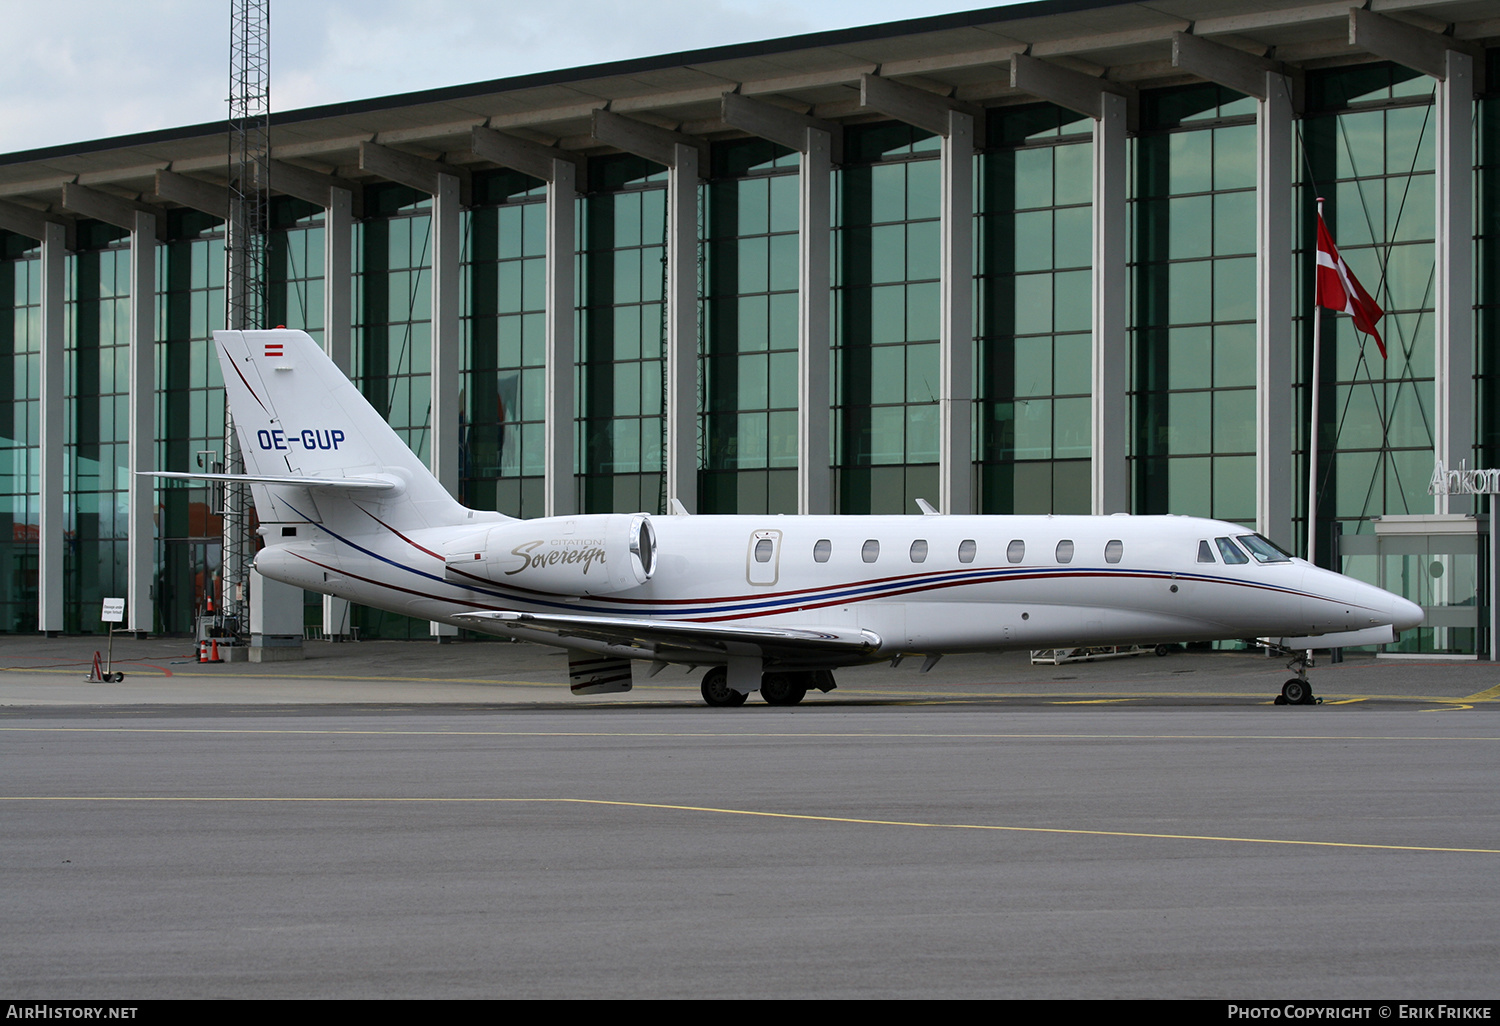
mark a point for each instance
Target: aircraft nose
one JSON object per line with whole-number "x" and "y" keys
{"x": 1404, "y": 615}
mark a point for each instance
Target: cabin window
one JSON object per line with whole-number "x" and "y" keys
{"x": 1113, "y": 550}
{"x": 919, "y": 551}
{"x": 871, "y": 551}
{"x": 966, "y": 550}
{"x": 1206, "y": 552}
{"x": 822, "y": 550}
{"x": 1065, "y": 551}
{"x": 1231, "y": 552}
{"x": 1016, "y": 551}
{"x": 763, "y": 550}
{"x": 1264, "y": 550}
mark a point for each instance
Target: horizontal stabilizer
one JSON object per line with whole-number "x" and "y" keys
{"x": 1343, "y": 639}
{"x": 369, "y": 483}
{"x": 689, "y": 636}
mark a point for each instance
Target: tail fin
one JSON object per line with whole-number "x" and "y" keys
{"x": 298, "y": 416}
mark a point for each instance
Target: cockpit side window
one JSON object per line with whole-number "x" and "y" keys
{"x": 1230, "y": 551}
{"x": 1206, "y": 552}
{"x": 1264, "y": 550}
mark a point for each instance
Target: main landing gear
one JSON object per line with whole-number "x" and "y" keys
{"x": 1298, "y": 691}
{"x": 780, "y": 687}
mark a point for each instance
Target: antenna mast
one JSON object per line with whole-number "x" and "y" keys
{"x": 249, "y": 200}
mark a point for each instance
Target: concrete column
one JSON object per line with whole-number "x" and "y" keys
{"x": 1111, "y": 367}
{"x": 1453, "y": 428}
{"x": 338, "y": 278}
{"x": 1274, "y": 413}
{"x": 956, "y": 335}
{"x": 140, "y": 545}
{"x": 560, "y": 491}
{"x": 338, "y": 331}
{"x": 445, "y": 348}
{"x": 52, "y": 524}
{"x": 681, "y": 457}
{"x": 814, "y": 396}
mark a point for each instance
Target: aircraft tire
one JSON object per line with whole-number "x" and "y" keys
{"x": 782, "y": 689}
{"x": 717, "y": 692}
{"x": 1297, "y": 692}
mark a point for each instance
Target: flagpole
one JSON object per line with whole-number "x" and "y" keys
{"x": 1312, "y": 427}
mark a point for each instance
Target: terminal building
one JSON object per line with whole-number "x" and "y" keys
{"x": 1049, "y": 258}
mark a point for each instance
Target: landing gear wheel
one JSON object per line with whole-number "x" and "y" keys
{"x": 716, "y": 689}
{"x": 1162, "y": 650}
{"x": 118, "y": 676}
{"x": 1297, "y": 692}
{"x": 782, "y": 689}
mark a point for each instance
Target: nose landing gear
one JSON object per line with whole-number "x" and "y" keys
{"x": 1298, "y": 691}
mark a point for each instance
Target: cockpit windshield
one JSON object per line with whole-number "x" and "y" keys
{"x": 1230, "y": 551}
{"x": 1264, "y": 550}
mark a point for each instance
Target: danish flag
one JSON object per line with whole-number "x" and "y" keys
{"x": 1339, "y": 290}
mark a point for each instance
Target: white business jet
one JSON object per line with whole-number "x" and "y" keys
{"x": 767, "y": 603}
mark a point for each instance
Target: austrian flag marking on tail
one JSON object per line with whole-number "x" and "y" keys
{"x": 273, "y": 349}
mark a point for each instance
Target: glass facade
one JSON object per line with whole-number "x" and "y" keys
{"x": 95, "y": 429}
{"x": 1369, "y": 143}
{"x": 1034, "y": 301}
{"x": 1366, "y": 143}
{"x": 189, "y": 417}
{"x": 503, "y": 302}
{"x": 1192, "y": 287}
{"x": 885, "y": 319}
{"x": 622, "y": 336}
{"x": 20, "y": 431}
{"x": 1487, "y": 263}
{"x": 393, "y": 310}
{"x": 749, "y": 323}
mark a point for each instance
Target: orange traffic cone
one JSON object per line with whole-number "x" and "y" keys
{"x": 214, "y": 657}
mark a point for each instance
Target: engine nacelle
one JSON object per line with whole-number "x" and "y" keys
{"x": 584, "y": 555}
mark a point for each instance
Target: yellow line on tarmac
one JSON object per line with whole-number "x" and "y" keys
{"x": 1488, "y": 695}
{"x": 684, "y": 735}
{"x": 236, "y": 677}
{"x": 802, "y": 817}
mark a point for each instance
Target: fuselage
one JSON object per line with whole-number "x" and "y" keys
{"x": 921, "y": 584}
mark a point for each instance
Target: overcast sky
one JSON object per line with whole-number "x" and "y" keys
{"x": 78, "y": 70}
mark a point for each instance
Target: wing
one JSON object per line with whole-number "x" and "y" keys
{"x": 676, "y": 639}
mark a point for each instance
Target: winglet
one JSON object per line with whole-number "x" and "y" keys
{"x": 927, "y": 509}
{"x": 678, "y": 509}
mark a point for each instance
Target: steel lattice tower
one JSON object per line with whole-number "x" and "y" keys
{"x": 249, "y": 201}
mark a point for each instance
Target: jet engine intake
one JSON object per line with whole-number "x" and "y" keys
{"x": 583, "y": 555}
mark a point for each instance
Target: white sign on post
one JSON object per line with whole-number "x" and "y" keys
{"x": 114, "y": 610}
